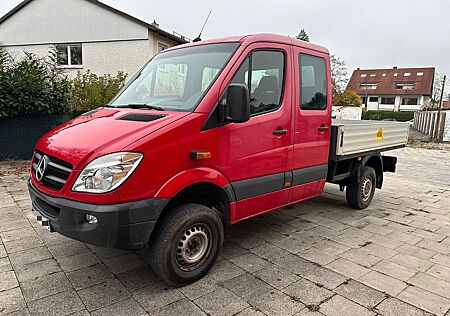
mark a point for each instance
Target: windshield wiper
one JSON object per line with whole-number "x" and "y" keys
{"x": 142, "y": 106}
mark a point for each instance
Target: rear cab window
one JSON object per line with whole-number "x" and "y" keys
{"x": 313, "y": 82}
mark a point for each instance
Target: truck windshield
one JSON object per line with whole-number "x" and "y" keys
{"x": 176, "y": 80}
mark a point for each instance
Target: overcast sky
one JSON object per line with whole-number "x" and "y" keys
{"x": 366, "y": 34}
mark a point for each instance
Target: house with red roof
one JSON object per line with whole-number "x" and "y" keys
{"x": 395, "y": 89}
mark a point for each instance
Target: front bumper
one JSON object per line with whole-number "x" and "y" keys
{"x": 126, "y": 226}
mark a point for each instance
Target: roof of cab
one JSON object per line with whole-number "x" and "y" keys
{"x": 253, "y": 38}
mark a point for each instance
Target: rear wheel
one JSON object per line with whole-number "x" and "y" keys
{"x": 360, "y": 192}
{"x": 186, "y": 243}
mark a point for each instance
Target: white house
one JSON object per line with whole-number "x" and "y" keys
{"x": 87, "y": 35}
{"x": 395, "y": 89}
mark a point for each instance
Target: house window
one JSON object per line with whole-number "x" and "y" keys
{"x": 363, "y": 75}
{"x": 209, "y": 73}
{"x": 420, "y": 74}
{"x": 373, "y": 99}
{"x": 384, "y": 75}
{"x": 162, "y": 47}
{"x": 405, "y": 86}
{"x": 364, "y": 100}
{"x": 69, "y": 55}
{"x": 388, "y": 100}
{"x": 182, "y": 69}
{"x": 313, "y": 83}
{"x": 368, "y": 86}
{"x": 395, "y": 74}
{"x": 407, "y": 74}
{"x": 409, "y": 101}
{"x": 373, "y": 75}
{"x": 162, "y": 68}
{"x": 168, "y": 82}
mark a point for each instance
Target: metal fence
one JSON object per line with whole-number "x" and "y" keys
{"x": 18, "y": 135}
{"x": 426, "y": 121}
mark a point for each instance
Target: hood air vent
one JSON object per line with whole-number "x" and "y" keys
{"x": 140, "y": 117}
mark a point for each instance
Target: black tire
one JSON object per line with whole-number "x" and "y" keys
{"x": 360, "y": 191}
{"x": 190, "y": 232}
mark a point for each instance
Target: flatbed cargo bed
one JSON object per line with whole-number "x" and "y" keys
{"x": 352, "y": 138}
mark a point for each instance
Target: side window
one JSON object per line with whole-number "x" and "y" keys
{"x": 313, "y": 83}
{"x": 263, "y": 73}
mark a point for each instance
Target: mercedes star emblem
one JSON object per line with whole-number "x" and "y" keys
{"x": 41, "y": 168}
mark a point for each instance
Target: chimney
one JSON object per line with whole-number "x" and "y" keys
{"x": 395, "y": 67}
{"x": 358, "y": 68}
{"x": 155, "y": 24}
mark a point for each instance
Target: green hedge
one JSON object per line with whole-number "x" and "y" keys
{"x": 34, "y": 85}
{"x": 31, "y": 85}
{"x": 381, "y": 115}
{"x": 89, "y": 91}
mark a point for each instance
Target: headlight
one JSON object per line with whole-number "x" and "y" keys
{"x": 106, "y": 173}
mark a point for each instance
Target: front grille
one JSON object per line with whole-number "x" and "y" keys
{"x": 57, "y": 172}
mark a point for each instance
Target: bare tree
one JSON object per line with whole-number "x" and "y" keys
{"x": 339, "y": 75}
{"x": 437, "y": 88}
{"x": 303, "y": 36}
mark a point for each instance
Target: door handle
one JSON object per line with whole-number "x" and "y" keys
{"x": 323, "y": 128}
{"x": 280, "y": 131}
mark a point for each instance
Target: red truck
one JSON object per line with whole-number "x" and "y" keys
{"x": 206, "y": 134}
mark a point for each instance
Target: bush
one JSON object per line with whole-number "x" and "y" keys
{"x": 31, "y": 85}
{"x": 347, "y": 98}
{"x": 90, "y": 91}
{"x": 381, "y": 115}
{"x": 34, "y": 85}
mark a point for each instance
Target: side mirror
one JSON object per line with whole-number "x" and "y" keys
{"x": 237, "y": 108}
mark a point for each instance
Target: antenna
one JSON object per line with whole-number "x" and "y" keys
{"x": 198, "y": 39}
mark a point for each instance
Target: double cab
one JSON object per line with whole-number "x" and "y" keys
{"x": 206, "y": 134}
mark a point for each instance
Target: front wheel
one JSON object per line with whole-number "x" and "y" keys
{"x": 360, "y": 192}
{"x": 186, "y": 243}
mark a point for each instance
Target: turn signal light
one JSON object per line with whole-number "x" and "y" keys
{"x": 200, "y": 154}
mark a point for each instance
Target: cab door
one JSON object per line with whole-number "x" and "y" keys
{"x": 254, "y": 154}
{"x": 312, "y": 123}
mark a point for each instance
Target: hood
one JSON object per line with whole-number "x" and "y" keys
{"x": 102, "y": 131}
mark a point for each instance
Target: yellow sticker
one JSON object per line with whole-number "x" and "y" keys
{"x": 380, "y": 134}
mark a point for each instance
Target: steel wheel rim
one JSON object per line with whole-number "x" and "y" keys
{"x": 366, "y": 188}
{"x": 193, "y": 247}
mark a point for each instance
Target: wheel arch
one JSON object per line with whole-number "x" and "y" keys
{"x": 203, "y": 186}
{"x": 190, "y": 177}
{"x": 375, "y": 162}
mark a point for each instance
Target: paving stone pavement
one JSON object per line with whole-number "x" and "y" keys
{"x": 315, "y": 258}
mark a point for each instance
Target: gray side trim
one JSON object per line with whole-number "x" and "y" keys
{"x": 288, "y": 177}
{"x": 310, "y": 174}
{"x": 256, "y": 186}
{"x": 230, "y": 193}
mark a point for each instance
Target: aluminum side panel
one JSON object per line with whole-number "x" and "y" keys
{"x": 363, "y": 136}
